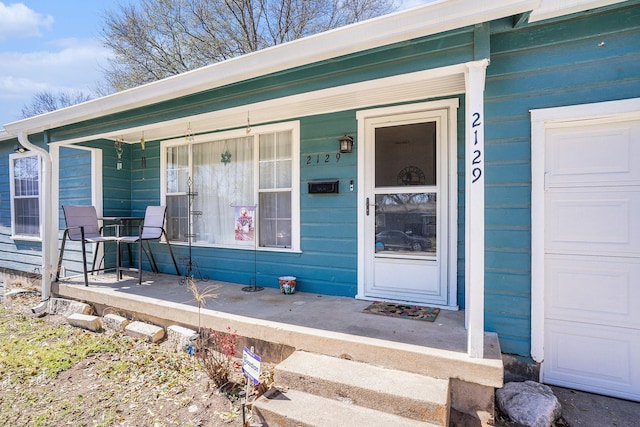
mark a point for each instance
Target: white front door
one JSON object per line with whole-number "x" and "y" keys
{"x": 592, "y": 257}
{"x": 406, "y": 218}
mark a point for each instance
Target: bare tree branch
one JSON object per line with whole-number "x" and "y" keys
{"x": 154, "y": 39}
{"x": 44, "y": 102}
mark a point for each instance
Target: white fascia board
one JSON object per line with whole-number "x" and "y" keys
{"x": 554, "y": 8}
{"x": 4, "y": 135}
{"x": 439, "y": 82}
{"x": 429, "y": 19}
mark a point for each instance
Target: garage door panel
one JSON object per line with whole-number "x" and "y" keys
{"x": 592, "y": 256}
{"x": 592, "y": 357}
{"x": 595, "y": 290}
{"x": 599, "y": 154}
{"x": 593, "y": 222}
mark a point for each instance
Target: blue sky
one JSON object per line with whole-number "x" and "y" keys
{"x": 49, "y": 46}
{"x": 52, "y": 46}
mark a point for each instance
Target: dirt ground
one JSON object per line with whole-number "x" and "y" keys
{"x": 131, "y": 383}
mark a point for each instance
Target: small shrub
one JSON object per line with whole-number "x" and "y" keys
{"x": 216, "y": 352}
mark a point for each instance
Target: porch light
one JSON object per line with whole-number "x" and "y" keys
{"x": 346, "y": 144}
{"x": 19, "y": 149}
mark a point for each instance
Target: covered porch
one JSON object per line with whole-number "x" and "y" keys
{"x": 277, "y": 325}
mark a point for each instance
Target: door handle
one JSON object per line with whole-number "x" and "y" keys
{"x": 368, "y": 205}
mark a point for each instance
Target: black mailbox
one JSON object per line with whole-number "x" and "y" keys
{"x": 323, "y": 187}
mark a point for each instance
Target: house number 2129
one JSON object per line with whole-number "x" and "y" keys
{"x": 322, "y": 158}
{"x": 476, "y": 160}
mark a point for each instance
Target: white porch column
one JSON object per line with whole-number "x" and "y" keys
{"x": 474, "y": 207}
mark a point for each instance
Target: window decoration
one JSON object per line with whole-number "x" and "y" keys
{"x": 118, "y": 146}
{"x": 225, "y": 157}
{"x": 244, "y": 223}
{"x": 411, "y": 175}
{"x": 143, "y": 164}
{"x": 258, "y": 180}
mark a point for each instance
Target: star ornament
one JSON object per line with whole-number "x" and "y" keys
{"x": 226, "y": 157}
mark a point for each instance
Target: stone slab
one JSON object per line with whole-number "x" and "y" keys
{"x": 67, "y": 307}
{"x": 179, "y": 337}
{"x": 115, "y": 322}
{"x": 85, "y": 321}
{"x": 11, "y": 293}
{"x": 147, "y": 331}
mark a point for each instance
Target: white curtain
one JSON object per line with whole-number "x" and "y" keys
{"x": 220, "y": 187}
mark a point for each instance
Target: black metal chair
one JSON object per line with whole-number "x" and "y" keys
{"x": 83, "y": 227}
{"x": 151, "y": 229}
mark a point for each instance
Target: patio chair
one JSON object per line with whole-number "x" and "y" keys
{"x": 83, "y": 227}
{"x": 152, "y": 228}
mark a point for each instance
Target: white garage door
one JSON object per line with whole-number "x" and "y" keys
{"x": 592, "y": 258}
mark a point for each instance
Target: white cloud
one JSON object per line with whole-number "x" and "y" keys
{"x": 19, "y": 21}
{"x": 71, "y": 65}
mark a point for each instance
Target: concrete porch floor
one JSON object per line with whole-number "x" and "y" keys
{"x": 277, "y": 324}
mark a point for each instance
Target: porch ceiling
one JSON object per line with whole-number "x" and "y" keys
{"x": 416, "y": 86}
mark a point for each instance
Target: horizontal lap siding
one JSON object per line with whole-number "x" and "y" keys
{"x": 74, "y": 189}
{"x": 19, "y": 255}
{"x": 544, "y": 65}
{"x": 116, "y": 184}
{"x": 328, "y": 221}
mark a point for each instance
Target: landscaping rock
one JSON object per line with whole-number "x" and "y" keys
{"x": 149, "y": 332}
{"x": 179, "y": 338}
{"x": 85, "y": 321}
{"x": 115, "y": 322}
{"x": 67, "y": 307}
{"x": 16, "y": 292}
{"x": 529, "y": 403}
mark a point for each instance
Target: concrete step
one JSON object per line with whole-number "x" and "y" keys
{"x": 393, "y": 391}
{"x": 299, "y": 409}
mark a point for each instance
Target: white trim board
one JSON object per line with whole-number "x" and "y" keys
{"x": 416, "y": 86}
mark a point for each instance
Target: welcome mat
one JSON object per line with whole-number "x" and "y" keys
{"x": 403, "y": 311}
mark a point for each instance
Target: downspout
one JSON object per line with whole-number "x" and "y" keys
{"x": 49, "y": 239}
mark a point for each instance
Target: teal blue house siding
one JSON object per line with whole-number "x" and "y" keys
{"x": 591, "y": 58}
{"x": 15, "y": 254}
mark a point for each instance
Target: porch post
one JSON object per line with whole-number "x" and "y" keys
{"x": 474, "y": 207}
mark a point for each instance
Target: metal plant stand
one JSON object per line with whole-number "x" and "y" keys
{"x": 191, "y": 270}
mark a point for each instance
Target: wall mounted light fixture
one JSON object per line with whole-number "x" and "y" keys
{"x": 19, "y": 149}
{"x": 346, "y": 144}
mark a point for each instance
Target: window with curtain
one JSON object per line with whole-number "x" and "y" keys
{"x": 25, "y": 195}
{"x": 238, "y": 188}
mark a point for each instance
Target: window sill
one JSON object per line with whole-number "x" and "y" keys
{"x": 241, "y": 248}
{"x": 26, "y": 238}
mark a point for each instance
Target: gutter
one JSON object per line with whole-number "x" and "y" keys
{"x": 432, "y": 18}
{"x": 49, "y": 233}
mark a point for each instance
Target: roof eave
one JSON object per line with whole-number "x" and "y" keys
{"x": 432, "y": 18}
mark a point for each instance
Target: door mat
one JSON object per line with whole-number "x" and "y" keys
{"x": 403, "y": 311}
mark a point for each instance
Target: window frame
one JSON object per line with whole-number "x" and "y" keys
{"x": 14, "y": 235}
{"x": 255, "y": 132}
